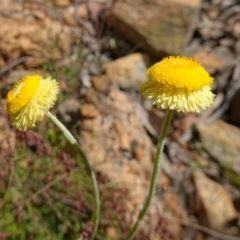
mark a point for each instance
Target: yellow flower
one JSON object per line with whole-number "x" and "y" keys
{"x": 30, "y": 99}
{"x": 178, "y": 83}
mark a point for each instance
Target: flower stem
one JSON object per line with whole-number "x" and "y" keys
{"x": 89, "y": 170}
{"x": 156, "y": 168}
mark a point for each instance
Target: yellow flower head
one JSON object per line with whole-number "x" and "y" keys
{"x": 178, "y": 83}
{"x": 29, "y": 100}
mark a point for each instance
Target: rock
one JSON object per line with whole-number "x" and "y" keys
{"x": 69, "y": 18}
{"x": 208, "y": 61}
{"x": 218, "y": 206}
{"x": 38, "y": 13}
{"x": 222, "y": 141}
{"x": 101, "y": 83}
{"x": 236, "y": 30}
{"x": 81, "y": 11}
{"x": 35, "y": 38}
{"x": 226, "y": 42}
{"x": 88, "y": 111}
{"x": 129, "y": 71}
{"x": 118, "y": 146}
{"x": 68, "y": 111}
{"x": 112, "y": 233}
{"x": 162, "y": 27}
{"x": 61, "y": 3}
{"x": 213, "y": 12}
{"x": 223, "y": 53}
{"x": 193, "y": 47}
{"x": 16, "y": 75}
{"x": 115, "y": 126}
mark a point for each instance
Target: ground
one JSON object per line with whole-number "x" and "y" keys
{"x": 100, "y": 57}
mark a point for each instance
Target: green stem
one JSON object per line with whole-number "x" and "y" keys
{"x": 89, "y": 170}
{"x": 156, "y": 168}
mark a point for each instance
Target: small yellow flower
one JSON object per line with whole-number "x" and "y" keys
{"x": 178, "y": 83}
{"x": 30, "y": 99}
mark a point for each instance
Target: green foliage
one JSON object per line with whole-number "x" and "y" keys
{"x": 45, "y": 196}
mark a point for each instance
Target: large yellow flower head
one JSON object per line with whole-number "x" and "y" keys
{"x": 30, "y": 99}
{"x": 178, "y": 83}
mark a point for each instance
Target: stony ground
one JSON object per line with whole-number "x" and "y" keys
{"x": 99, "y": 51}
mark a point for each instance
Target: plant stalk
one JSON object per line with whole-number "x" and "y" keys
{"x": 156, "y": 168}
{"x": 89, "y": 170}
